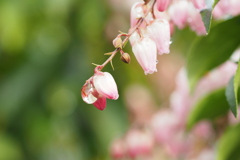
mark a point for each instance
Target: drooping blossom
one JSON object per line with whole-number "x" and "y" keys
{"x": 195, "y": 21}
{"x": 99, "y": 87}
{"x": 183, "y": 13}
{"x": 145, "y": 51}
{"x": 162, "y": 5}
{"x": 159, "y": 31}
{"x": 179, "y": 12}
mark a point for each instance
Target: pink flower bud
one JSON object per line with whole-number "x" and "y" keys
{"x": 105, "y": 85}
{"x": 117, "y": 42}
{"x": 199, "y": 4}
{"x": 145, "y": 52}
{"x": 98, "y": 88}
{"x": 125, "y": 57}
{"x": 163, "y": 4}
{"x": 159, "y": 31}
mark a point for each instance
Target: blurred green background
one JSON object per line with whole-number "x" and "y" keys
{"x": 46, "y": 51}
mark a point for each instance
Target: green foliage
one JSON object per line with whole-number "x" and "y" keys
{"x": 210, "y": 51}
{"x": 46, "y": 51}
{"x": 209, "y": 107}
{"x": 231, "y": 97}
{"x": 232, "y": 92}
{"x": 229, "y": 143}
{"x": 207, "y": 14}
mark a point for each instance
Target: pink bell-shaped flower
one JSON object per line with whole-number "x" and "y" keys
{"x": 179, "y": 12}
{"x": 145, "y": 51}
{"x": 105, "y": 85}
{"x": 159, "y": 31}
{"x": 162, "y": 5}
{"x": 99, "y": 87}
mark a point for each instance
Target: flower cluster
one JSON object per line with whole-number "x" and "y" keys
{"x": 163, "y": 135}
{"x": 152, "y": 23}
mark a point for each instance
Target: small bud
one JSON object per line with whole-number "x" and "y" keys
{"x": 126, "y": 58}
{"x": 117, "y": 42}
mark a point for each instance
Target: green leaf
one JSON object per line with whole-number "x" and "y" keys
{"x": 206, "y": 14}
{"x": 236, "y": 85}
{"x": 231, "y": 95}
{"x": 209, "y": 107}
{"x": 229, "y": 144}
{"x": 210, "y": 51}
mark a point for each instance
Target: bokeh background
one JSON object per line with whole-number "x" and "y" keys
{"x": 46, "y": 51}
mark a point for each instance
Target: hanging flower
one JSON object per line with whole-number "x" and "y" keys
{"x": 159, "y": 31}
{"x": 145, "y": 51}
{"x": 99, "y": 87}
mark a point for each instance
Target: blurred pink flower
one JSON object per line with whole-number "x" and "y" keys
{"x": 206, "y": 154}
{"x": 179, "y": 12}
{"x": 139, "y": 143}
{"x": 178, "y": 146}
{"x": 181, "y": 101}
{"x": 222, "y": 9}
{"x": 99, "y": 87}
{"x": 159, "y": 31}
{"x": 203, "y": 130}
{"x": 164, "y": 125}
{"x": 118, "y": 149}
{"x": 235, "y": 7}
{"x": 162, "y": 5}
{"x": 145, "y": 51}
{"x": 195, "y": 21}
